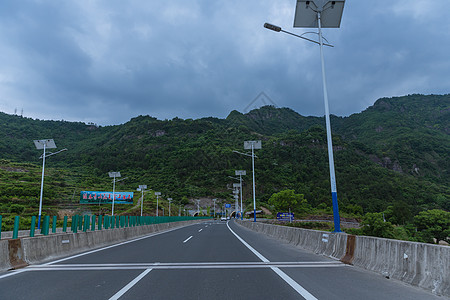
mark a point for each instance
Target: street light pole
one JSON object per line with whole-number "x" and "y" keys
{"x": 236, "y": 187}
{"x": 142, "y": 201}
{"x": 170, "y": 200}
{"x": 240, "y": 173}
{"x": 252, "y": 145}
{"x": 142, "y": 188}
{"x": 43, "y": 144}
{"x": 321, "y": 14}
{"x": 214, "y": 200}
{"x": 253, "y": 173}
{"x": 114, "y": 195}
{"x": 337, "y": 225}
{"x": 113, "y": 175}
{"x": 42, "y": 189}
{"x": 157, "y": 199}
{"x": 240, "y": 183}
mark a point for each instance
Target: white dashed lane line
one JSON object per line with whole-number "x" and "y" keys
{"x": 187, "y": 239}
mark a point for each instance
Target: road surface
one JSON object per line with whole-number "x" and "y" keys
{"x": 210, "y": 260}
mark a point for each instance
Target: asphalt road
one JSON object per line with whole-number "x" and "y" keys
{"x": 211, "y": 260}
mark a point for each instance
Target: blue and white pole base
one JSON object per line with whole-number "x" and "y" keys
{"x": 337, "y": 219}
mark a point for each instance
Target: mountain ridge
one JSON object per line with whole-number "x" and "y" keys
{"x": 395, "y": 150}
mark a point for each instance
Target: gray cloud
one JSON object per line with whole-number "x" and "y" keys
{"x": 108, "y": 61}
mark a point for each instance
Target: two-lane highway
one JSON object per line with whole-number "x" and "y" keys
{"x": 210, "y": 260}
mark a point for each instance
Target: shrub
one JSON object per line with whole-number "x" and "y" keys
{"x": 16, "y": 209}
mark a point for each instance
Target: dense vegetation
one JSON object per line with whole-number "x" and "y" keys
{"x": 392, "y": 156}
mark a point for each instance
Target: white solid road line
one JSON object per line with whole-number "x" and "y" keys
{"x": 187, "y": 239}
{"x": 297, "y": 287}
{"x": 15, "y": 272}
{"x": 129, "y": 285}
{"x": 184, "y": 266}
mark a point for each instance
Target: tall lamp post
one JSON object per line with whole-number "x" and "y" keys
{"x": 241, "y": 173}
{"x": 142, "y": 188}
{"x": 44, "y": 144}
{"x": 157, "y": 194}
{"x": 214, "y": 200}
{"x": 253, "y": 145}
{"x": 236, "y": 188}
{"x": 320, "y": 14}
{"x": 170, "y": 200}
{"x": 113, "y": 175}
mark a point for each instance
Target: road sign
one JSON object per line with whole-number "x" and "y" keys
{"x": 227, "y": 205}
{"x": 285, "y": 216}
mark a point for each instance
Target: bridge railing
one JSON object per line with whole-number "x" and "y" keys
{"x": 84, "y": 223}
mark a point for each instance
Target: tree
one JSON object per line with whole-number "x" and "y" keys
{"x": 399, "y": 213}
{"x": 374, "y": 225}
{"x": 435, "y": 224}
{"x": 286, "y": 199}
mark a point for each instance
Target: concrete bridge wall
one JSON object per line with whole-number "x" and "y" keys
{"x": 423, "y": 265}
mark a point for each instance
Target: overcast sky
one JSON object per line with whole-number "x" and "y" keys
{"x": 108, "y": 61}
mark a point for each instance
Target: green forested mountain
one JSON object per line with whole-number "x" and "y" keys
{"x": 394, "y": 153}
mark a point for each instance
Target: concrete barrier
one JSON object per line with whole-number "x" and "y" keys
{"x": 17, "y": 253}
{"x": 419, "y": 264}
{"x": 325, "y": 243}
{"x": 4, "y": 255}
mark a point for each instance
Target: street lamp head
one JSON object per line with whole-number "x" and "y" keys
{"x": 272, "y": 27}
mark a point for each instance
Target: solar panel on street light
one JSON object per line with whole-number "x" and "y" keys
{"x": 306, "y": 13}
{"x": 256, "y": 144}
{"x": 48, "y": 143}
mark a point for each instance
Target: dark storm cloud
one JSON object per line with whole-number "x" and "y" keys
{"x": 108, "y": 61}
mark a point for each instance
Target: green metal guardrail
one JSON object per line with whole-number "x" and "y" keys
{"x": 88, "y": 222}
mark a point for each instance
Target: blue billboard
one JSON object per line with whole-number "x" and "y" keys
{"x": 92, "y": 197}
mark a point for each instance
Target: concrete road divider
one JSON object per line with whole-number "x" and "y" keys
{"x": 4, "y": 255}
{"x": 17, "y": 253}
{"x": 419, "y": 264}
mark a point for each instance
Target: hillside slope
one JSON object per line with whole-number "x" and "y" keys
{"x": 395, "y": 151}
